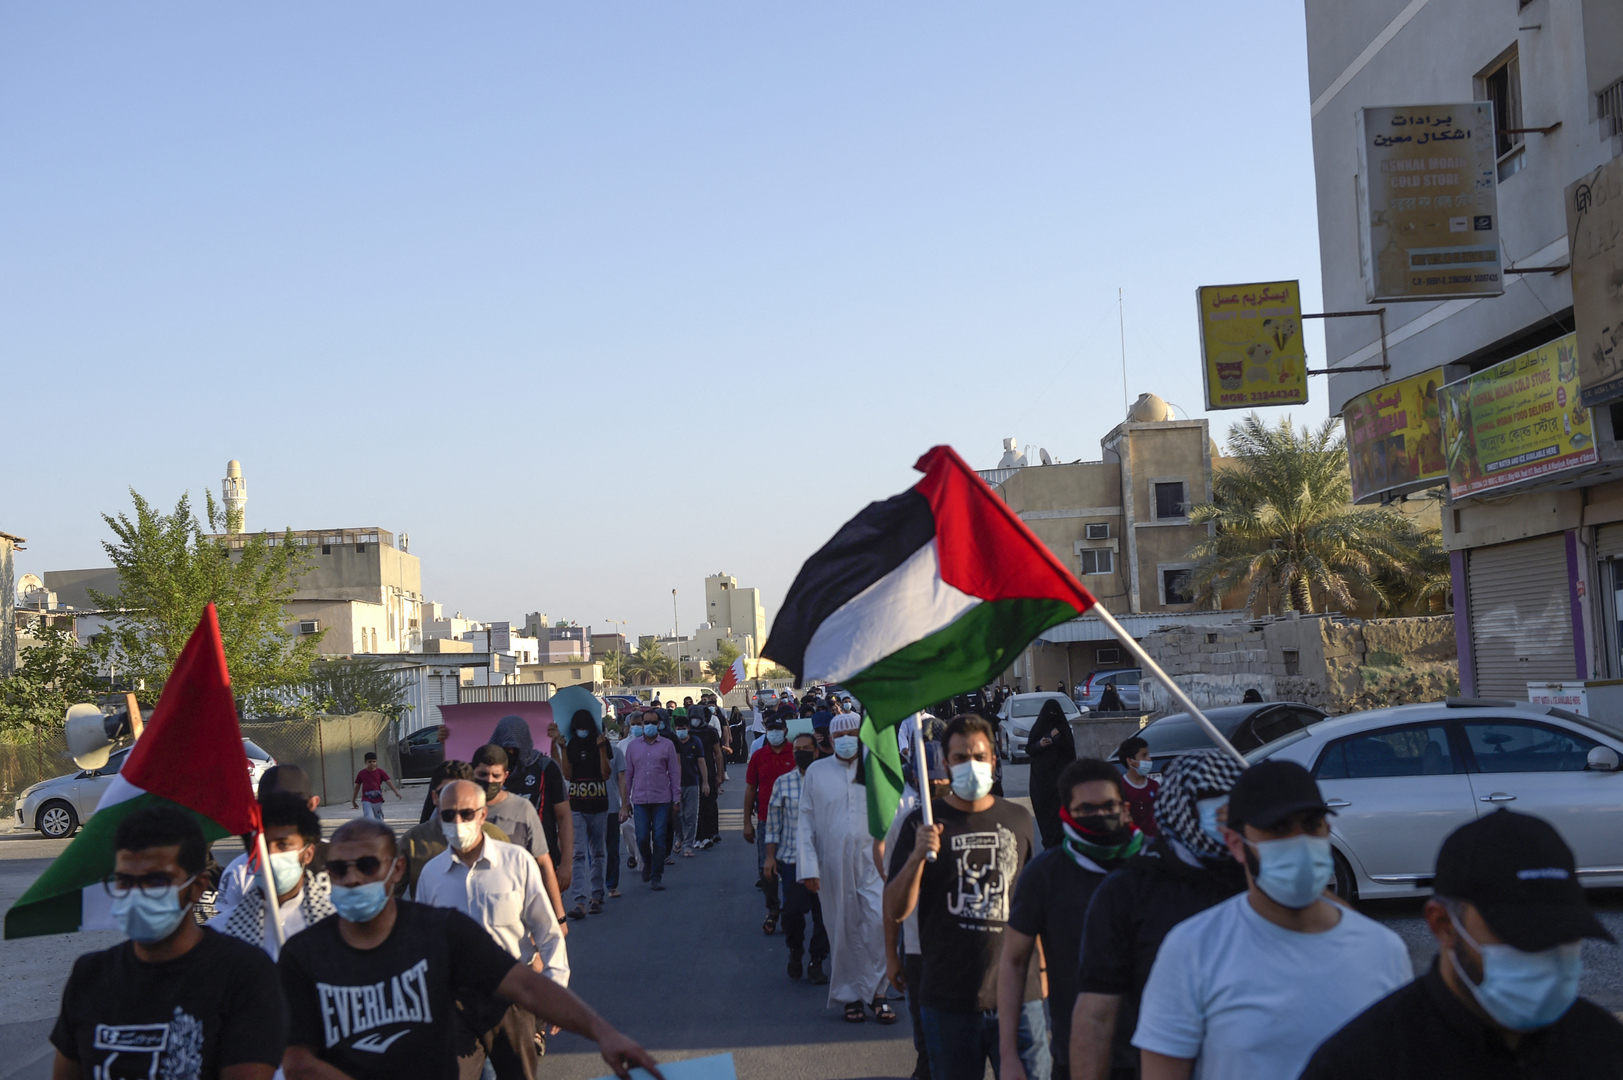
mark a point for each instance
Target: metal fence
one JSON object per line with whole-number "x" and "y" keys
{"x": 26, "y": 762}
{"x": 330, "y": 749}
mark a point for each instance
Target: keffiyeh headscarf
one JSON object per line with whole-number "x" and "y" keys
{"x": 1191, "y": 777}
{"x": 247, "y": 920}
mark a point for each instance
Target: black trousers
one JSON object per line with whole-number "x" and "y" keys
{"x": 709, "y": 816}
{"x": 913, "y": 972}
{"x": 798, "y": 902}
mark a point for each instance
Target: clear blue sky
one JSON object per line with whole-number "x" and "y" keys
{"x": 594, "y": 299}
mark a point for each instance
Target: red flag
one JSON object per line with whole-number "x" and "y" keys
{"x": 732, "y": 677}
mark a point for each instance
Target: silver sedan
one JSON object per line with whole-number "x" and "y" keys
{"x": 1401, "y": 779}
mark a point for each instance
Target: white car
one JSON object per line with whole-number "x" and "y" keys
{"x": 1019, "y": 713}
{"x": 1401, "y": 779}
{"x": 57, "y": 807}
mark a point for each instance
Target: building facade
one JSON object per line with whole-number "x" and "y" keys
{"x": 734, "y": 610}
{"x": 1536, "y": 563}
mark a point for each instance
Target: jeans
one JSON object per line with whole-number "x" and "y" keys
{"x": 961, "y": 1044}
{"x": 690, "y": 816}
{"x": 653, "y": 819}
{"x": 760, "y": 870}
{"x": 798, "y": 901}
{"x": 590, "y": 855}
{"x": 372, "y": 810}
{"x": 611, "y": 851}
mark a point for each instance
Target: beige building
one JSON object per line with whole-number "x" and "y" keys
{"x": 575, "y": 672}
{"x": 734, "y": 610}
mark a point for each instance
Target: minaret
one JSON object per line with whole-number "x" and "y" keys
{"x": 235, "y": 490}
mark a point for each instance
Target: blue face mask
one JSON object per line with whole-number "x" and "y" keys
{"x": 1294, "y": 871}
{"x": 636, "y": 731}
{"x": 845, "y": 746}
{"x": 972, "y": 780}
{"x": 681, "y": 733}
{"x": 146, "y": 918}
{"x": 1523, "y": 990}
{"x": 1207, "y": 809}
{"x": 775, "y": 737}
{"x": 360, "y": 903}
{"x": 287, "y": 869}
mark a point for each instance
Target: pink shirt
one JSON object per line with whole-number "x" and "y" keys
{"x": 653, "y": 773}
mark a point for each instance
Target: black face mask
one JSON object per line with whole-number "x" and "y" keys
{"x": 1105, "y": 831}
{"x": 804, "y": 758}
{"x": 491, "y": 791}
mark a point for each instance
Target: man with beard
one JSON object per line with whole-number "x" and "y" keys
{"x": 1051, "y": 901}
{"x": 835, "y": 856}
{"x": 1186, "y": 870}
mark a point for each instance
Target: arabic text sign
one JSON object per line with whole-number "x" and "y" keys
{"x": 1251, "y": 344}
{"x": 1516, "y": 421}
{"x": 1428, "y": 202}
{"x": 1595, "y": 229}
{"x": 1395, "y": 436}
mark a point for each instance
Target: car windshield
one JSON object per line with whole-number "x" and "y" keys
{"x": 1174, "y": 734}
{"x": 1028, "y": 707}
{"x": 254, "y": 751}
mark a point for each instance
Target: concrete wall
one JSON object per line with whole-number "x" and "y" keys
{"x": 1338, "y": 665}
{"x": 72, "y": 587}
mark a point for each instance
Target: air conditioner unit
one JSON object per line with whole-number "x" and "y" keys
{"x": 309, "y": 626}
{"x": 1100, "y": 531}
{"x": 1107, "y": 656}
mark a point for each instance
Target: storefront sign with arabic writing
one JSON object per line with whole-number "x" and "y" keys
{"x": 1395, "y": 437}
{"x": 1428, "y": 211}
{"x": 1516, "y": 421}
{"x": 1251, "y": 344}
{"x": 1595, "y": 231}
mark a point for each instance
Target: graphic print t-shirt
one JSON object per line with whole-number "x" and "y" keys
{"x": 388, "y": 1012}
{"x": 964, "y": 901}
{"x": 184, "y": 1019}
{"x": 542, "y": 783}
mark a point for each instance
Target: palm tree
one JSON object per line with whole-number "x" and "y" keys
{"x": 726, "y": 653}
{"x": 1283, "y": 518}
{"x": 649, "y": 664}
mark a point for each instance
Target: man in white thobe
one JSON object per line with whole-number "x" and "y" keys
{"x": 836, "y": 862}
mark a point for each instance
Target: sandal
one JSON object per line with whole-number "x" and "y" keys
{"x": 770, "y": 925}
{"x": 854, "y": 1013}
{"x": 882, "y": 1012}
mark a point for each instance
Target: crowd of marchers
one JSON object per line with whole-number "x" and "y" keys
{"x": 1172, "y": 926}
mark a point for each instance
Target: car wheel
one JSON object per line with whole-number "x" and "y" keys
{"x": 1343, "y": 881}
{"x": 57, "y": 820}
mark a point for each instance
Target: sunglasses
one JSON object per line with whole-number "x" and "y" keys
{"x": 366, "y": 865}
{"x": 450, "y": 817}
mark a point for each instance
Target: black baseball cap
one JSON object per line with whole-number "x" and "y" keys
{"x": 1518, "y": 872}
{"x": 775, "y": 723}
{"x": 1271, "y": 791}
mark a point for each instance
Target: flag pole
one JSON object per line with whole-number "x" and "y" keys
{"x": 923, "y": 777}
{"x": 1173, "y": 688}
{"x": 267, "y": 884}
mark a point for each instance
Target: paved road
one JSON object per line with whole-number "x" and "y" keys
{"x": 686, "y": 971}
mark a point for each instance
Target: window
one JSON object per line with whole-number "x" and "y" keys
{"x": 1097, "y": 531}
{"x": 1609, "y": 109}
{"x": 326, "y": 549}
{"x": 1177, "y": 587}
{"x": 574, "y": 673}
{"x": 360, "y": 547}
{"x": 1127, "y": 678}
{"x": 1097, "y": 561}
{"x": 1107, "y": 656}
{"x": 1293, "y": 661}
{"x": 1410, "y": 751}
{"x": 1512, "y": 746}
{"x": 1170, "y": 500}
{"x": 1502, "y": 85}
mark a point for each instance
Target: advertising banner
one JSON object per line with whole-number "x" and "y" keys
{"x": 1595, "y": 229}
{"x": 1428, "y": 212}
{"x": 1395, "y": 437}
{"x": 1516, "y": 421}
{"x": 1251, "y": 344}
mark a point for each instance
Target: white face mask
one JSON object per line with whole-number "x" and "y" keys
{"x": 463, "y": 834}
{"x": 972, "y": 780}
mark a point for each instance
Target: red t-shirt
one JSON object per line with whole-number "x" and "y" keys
{"x": 1141, "y": 802}
{"x": 371, "y": 781}
{"x": 765, "y": 766}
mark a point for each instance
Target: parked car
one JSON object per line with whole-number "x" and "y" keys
{"x": 1246, "y": 726}
{"x": 1126, "y": 680}
{"x": 421, "y": 752}
{"x": 1019, "y": 712}
{"x": 57, "y": 807}
{"x": 764, "y": 699}
{"x": 624, "y": 704}
{"x": 1401, "y": 779}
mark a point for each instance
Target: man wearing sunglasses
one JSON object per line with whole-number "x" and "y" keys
{"x": 422, "y": 842}
{"x": 498, "y": 886}
{"x": 176, "y": 999}
{"x": 371, "y": 992}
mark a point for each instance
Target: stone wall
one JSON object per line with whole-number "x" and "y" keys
{"x": 1339, "y": 665}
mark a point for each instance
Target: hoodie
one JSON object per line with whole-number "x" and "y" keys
{"x": 536, "y": 777}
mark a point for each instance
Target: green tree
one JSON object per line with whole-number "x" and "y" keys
{"x": 341, "y": 687}
{"x": 51, "y": 675}
{"x": 170, "y": 568}
{"x": 726, "y": 653}
{"x": 1283, "y": 518}
{"x": 649, "y": 664}
{"x": 614, "y": 663}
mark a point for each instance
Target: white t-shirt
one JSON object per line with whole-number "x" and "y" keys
{"x": 1251, "y": 999}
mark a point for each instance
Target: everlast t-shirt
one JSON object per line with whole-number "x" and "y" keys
{"x": 964, "y": 901}
{"x": 388, "y": 1012}
{"x": 588, "y": 791}
{"x": 183, "y": 1019}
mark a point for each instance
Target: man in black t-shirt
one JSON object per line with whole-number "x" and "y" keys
{"x": 1051, "y": 901}
{"x": 981, "y": 843}
{"x": 177, "y": 1000}
{"x": 371, "y": 990}
{"x": 588, "y": 766}
{"x": 538, "y": 778}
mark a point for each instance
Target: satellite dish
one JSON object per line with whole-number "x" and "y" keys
{"x": 1044, "y": 454}
{"x": 87, "y": 738}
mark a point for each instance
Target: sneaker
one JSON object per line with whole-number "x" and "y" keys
{"x": 794, "y": 965}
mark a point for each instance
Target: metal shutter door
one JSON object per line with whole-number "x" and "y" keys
{"x": 1521, "y": 616}
{"x": 1609, "y": 542}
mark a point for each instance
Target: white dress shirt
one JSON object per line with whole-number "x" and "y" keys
{"x": 502, "y": 892}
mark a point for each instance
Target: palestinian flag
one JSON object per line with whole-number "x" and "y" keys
{"x": 918, "y": 598}
{"x": 190, "y": 756}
